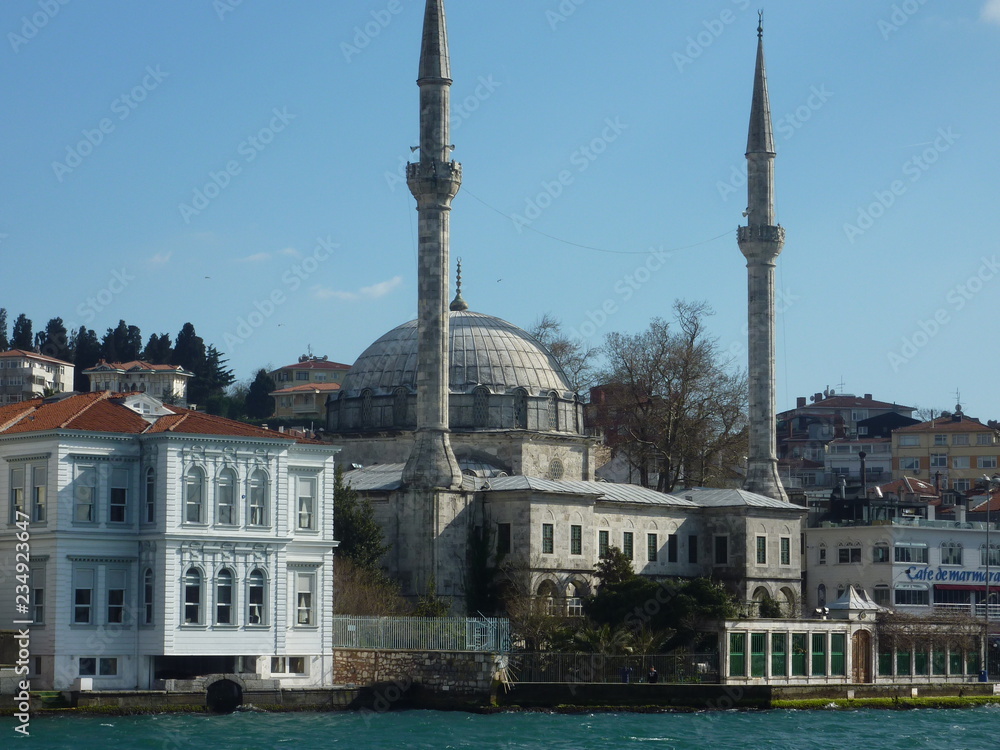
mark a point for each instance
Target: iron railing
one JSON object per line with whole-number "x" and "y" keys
{"x": 546, "y": 666}
{"x": 490, "y": 634}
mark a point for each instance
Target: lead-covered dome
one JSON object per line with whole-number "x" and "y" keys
{"x": 485, "y": 351}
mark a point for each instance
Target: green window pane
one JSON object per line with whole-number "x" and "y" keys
{"x": 818, "y": 654}
{"x": 758, "y": 654}
{"x": 798, "y": 654}
{"x": 902, "y": 663}
{"x": 838, "y": 665}
{"x": 779, "y": 654}
{"x": 737, "y": 654}
{"x": 885, "y": 663}
{"x": 938, "y": 662}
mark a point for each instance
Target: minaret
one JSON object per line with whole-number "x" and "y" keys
{"x": 434, "y": 182}
{"x": 761, "y": 242}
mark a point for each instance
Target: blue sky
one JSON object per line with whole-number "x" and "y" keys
{"x": 236, "y": 165}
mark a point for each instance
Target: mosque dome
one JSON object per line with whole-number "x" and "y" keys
{"x": 485, "y": 351}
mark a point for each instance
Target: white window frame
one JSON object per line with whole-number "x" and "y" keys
{"x": 305, "y": 599}
{"x": 85, "y": 494}
{"x": 257, "y": 499}
{"x": 194, "y": 495}
{"x": 305, "y": 502}
{"x": 226, "y": 510}
{"x": 118, "y": 486}
{"x": 261, "y": 607}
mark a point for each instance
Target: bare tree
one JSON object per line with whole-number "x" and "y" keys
{"x": 576, "y": 359}
{"x": 672, "y": 405}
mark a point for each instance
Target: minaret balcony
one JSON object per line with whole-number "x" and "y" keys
{"x": 761, "y": 233}
{"x": 434, "y": 178}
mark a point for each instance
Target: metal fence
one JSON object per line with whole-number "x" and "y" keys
{"x": 422, "y": 633}
{"x": 545, "y": 666}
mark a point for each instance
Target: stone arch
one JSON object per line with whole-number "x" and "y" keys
{"x": 789, "y": 601}
{"x": 224, "y": 696}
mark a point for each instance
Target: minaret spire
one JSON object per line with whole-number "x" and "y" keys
{"x": 434, "y": 182}
{"x": 458, "y": 304}
{"x": 761, "y": 242}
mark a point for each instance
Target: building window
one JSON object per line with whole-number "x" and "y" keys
{"x": 960, "y": 462}
{"x": 118, "y": 499}
{"x": 994, "y": 560}
{"x": 880, "y": 553}
{"x": 628, "y": 545}
{"x": 985, "y": 439}
{"x": 192, "y": 597}
{"x": 652, "y": 547}
{"x": 83, "y": 596}
{"x": 147, "y": 597}
{"x": 258, "y": 499}
{"x": 503, "y": 538}
{"x": 84, "y": 491}
{"x": 574, "y": 602}
{"x": 520, "y": 409}
{"x": 909, "y": 463}
{"x": 846, "y": 555}
{"x": 986, "y": 462}
{"x": 301, "y": 375}
{"x": 481, "y": 407}
{"x": 693, "y": 549}
{"x": 255, "y": 598}
{"x": 556, "y": 469}
{"x": 722, "y": 550}
{"x": 92, "y": 666}
{"x": 149, "y": 501}
{"x": 38, "y": 595}
{"x": 288, "y": 665}
{"x": 910, "y": 553}
{"x": 367, "y": 409}
{"x": 225, "y": 512}
{"x": 737, "y": 654}
{"x": 881, "y": 595}
{"x": 38, "y": 494}
{"x": 821, "y": 595}
{"x": 762, "y": 550}
{"x": 304, "y": 585}
{"x": 224, "y": 597}
{"x": 17, "y": 509}
{"x": 910, "y": 441}
{"x": 913, "y": 597}
{"x": 576, "y": 540}
{"x": 306, "y": 503}
{"x": 548, "y": 536}
{"x": 194, "y": 492}
{"x": 951, "y": 553}
{"x": 603, "y": 543}
{"x": 940, "y": 440}
{"x": 939, "y": 460}
{"x": 785, "y": 550}
{"x": 116, "y": 595}
{"x": 961, "y": 485}
{"x": 400, "y": 403}
{"x": 959, "y": 439}
{"x": 553, "y": 412}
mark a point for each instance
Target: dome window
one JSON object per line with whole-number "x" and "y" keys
{"x": 400, "y": 399}
{"x": 367, "y": 409}
{"x": 481, "y": 407}
{"x": 521, "y": 409}
{"x": 553, "y": 412}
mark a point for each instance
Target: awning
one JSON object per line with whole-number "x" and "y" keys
{"x": 960, "y": 587}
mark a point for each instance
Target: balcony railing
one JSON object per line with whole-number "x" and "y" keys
{"x": 977, "y": 611}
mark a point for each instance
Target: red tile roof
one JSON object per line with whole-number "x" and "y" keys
{"x": 307, "y": 388}
{"x": 946, "y": 424}
{"x": 908, "y": 485}
{"x": 105, "y": 411}
{"x": 316, "y": 364}
{"x": 137, "y": 364}
{"x": 33, "y": 355}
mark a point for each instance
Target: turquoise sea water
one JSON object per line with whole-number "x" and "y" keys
{"x": 954, "y": 729}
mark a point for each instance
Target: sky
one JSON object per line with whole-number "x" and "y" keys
{"x": 237, "y": 164}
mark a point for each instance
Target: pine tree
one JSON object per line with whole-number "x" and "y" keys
{"x": 54, "y": 340}
{"x": 158, "y": 349}
{"x": 86, "y": 350}
{"x": 4, "y": 341}
{"x": 259, "y": 403}
{"x": 355, "y": 526}
{"x": 22, "y": 337}
{"x": 122, "y": 343}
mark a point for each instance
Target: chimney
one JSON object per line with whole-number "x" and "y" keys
{"x": 800, "y": 402}
{"x": 818, "y": 397}
{"x": 868, "y": 397}
{"x": 930, "y": 512}
{"x": 960, "y": 512}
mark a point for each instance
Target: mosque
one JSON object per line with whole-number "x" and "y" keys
{"x": 461, "y": 427}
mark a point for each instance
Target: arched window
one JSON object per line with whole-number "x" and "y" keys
{"x": 224, "y": 597}
{"x": 547, "y": 597}
{"x": 481, "y": 407}
{"x": 147, "y": 597}
{"x": 553, "y": 411}
{"x": 258, "y": 501}
{"x": 400, "y": 403}
{"x": 149, "y": 498}
{"x": 194, "y": 495}
{"x": 521, "y": 409}
{"x": 256, "y": 609}
{"x": 192, "y": 597}
{"x": 225, "y": 510}
{"x": 367, "y": 409}
{"x": 574, "y": 600}
{"x": 821, "y": 595}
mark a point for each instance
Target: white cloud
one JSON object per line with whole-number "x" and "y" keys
{"x": 991, "y": 12}
{"x": 292, "y": 252}
{"x": 375, "y": 291}
{"x": 255, "y": 258}
{"x": 160, "y": 259}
